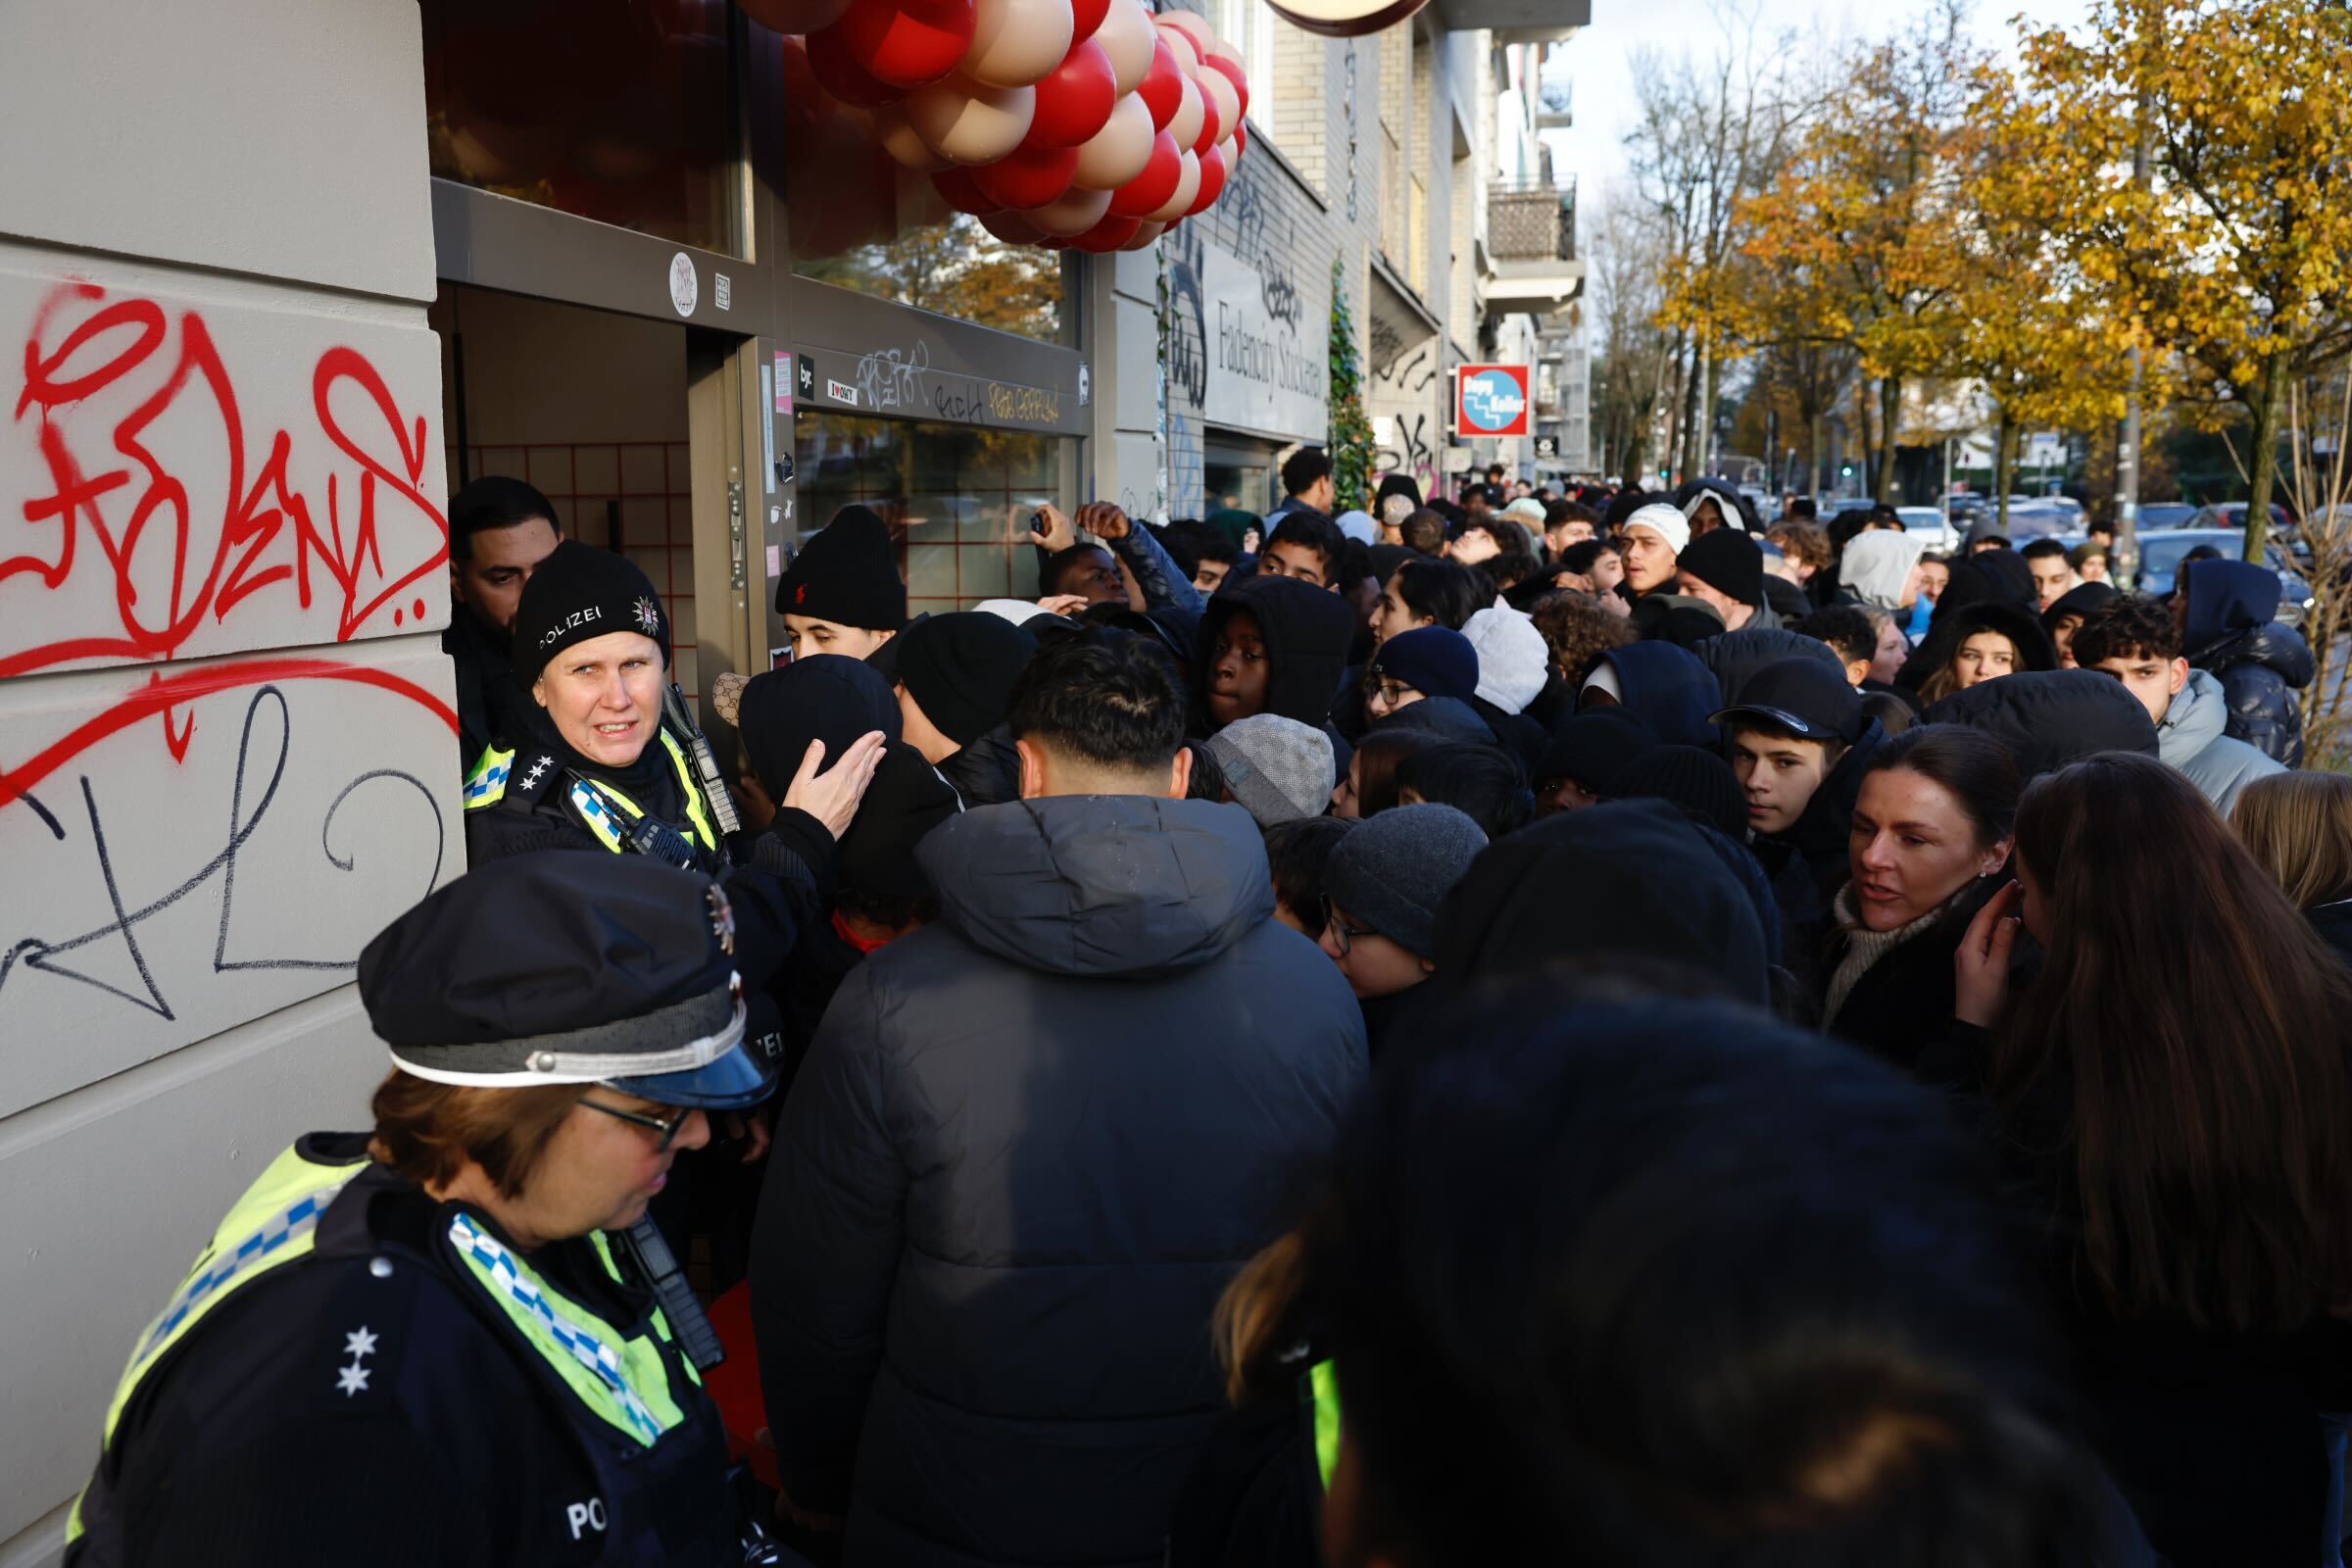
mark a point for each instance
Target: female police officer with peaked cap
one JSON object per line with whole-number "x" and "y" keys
{"x": 418, "y": 1344}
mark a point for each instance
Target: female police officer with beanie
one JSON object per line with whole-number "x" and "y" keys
{"x": 418, "y": 1344}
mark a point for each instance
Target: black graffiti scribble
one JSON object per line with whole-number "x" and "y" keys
{"x": 1188, "y": 322}
{"x": 39, "y": 954}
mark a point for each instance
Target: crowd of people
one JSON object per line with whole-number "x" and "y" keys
{"x": 1521, "y": 1027}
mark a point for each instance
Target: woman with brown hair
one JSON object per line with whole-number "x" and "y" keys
{"x": 2299, "y": 827}
{"x": 2174, "y": 1086}
{"x": 1370, "y": 786}
{"x": 432, "y": 1341}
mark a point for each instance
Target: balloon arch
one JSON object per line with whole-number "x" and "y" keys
{"x": 1067, "y": 124}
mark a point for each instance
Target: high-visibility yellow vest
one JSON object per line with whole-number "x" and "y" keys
{"x": 595, "y": 803}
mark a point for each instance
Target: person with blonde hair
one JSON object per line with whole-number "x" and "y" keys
{"x": 2299, "y": 827}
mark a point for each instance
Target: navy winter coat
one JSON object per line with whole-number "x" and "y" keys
{"x": 2260, "y": 661}
{"x": 1029, "y": 1148}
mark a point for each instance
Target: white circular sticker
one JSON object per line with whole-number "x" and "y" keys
{"x": 684, "y": 287}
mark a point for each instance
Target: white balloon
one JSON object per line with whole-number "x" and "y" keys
{"x": 898, "y": 139}
{"x": 1072, "y": 215}
{"x": 1127, "y": 36}
{"x": 969, "y": 123}
{"x": 1018, "y": 43}
{"x": 1118, "y": 151}
{"x": 1192, "y": 25}
{"x": 1219, "y": 88}
{"x": 1188, "y": 190}
{"x": 1181, "y": 40}
{"x": 1184, "y": 124}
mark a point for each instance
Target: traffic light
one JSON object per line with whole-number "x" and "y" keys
{"x": 1845, "y": 470}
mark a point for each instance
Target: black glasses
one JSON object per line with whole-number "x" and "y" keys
{"x": 1342, "y": 933}
{"x": 667, "y": 1129}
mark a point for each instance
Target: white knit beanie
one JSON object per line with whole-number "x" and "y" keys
{"x": 1512, "y": 657}
{"x": 1667, "y": 522}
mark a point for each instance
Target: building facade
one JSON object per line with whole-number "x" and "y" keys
{"x": 620, "y": 250}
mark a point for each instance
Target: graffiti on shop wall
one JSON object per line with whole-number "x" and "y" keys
{"x": 155, "y": 509}
{"x": 904, "y": 378}
{"x": 1395, "y": 384}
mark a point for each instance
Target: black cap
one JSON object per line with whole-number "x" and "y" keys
{"x": 579, "y": 592}
{"x": 1810, "y": 698}
{"x": 960, "y": 668}
{"x": 568, "y": 969}
{"x": 847, "y": 573}
{"x": 824, "y": 697}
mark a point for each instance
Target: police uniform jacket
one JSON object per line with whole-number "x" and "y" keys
{"x": 371, "y": 1393}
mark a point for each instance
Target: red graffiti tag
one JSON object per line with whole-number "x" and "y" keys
{"x": 121, "y": 513}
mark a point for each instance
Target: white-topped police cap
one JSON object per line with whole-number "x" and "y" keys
{"x": 563, "y": 967}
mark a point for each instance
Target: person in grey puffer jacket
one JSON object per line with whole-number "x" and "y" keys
{"x": 1033, "y": 1142}
{"x": 2133, "y": 638}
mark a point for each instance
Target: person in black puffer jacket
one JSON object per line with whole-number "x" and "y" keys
{"x": 1032, "y": 1142}
{"x": 2228, "y": 627}
{"x": 955, "y": 675}
{"x": 1270, "y": 644}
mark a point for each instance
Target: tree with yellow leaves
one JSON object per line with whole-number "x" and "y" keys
{"x": 2021, "y": 319}
{"x": 2234, "y": 251}
{"x": 1861, "y": 227}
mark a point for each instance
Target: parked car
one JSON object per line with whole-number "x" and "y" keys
{"x": 2039, "y": 519}
{"x": 2161, "y": 554}
{"x": 2168, "y": 514}
{"x": 1929, "y": 523}
{"x": 2233, "y": 515}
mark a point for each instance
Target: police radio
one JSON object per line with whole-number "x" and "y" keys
{"x": 680, "y": 718}
{"x": 657, "y": 1268}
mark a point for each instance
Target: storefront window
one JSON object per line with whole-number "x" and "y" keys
{"x": 956, "y": 498}
{"x": 952, "y": 265}
{"x": 611, "y": 109}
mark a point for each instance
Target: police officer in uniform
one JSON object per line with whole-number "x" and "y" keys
{"x": 425, "y": 1344}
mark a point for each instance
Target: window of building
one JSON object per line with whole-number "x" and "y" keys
{"x": 610, "y": 110}
{"x": 956, "y": 500}
{"x": 950, "y": 265}
{"x": 1248, "y": 25}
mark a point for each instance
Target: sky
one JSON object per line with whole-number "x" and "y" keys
{"x": 1598, "y": 58}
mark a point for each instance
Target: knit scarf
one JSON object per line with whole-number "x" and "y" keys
{"x": 1865, "y": 947}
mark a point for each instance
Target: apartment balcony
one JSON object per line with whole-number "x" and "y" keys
{"x": 1519, "y": 20}
{"x": 1531, "y": 262}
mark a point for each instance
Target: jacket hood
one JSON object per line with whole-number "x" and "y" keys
{"x": 2195, "y": 721}
{"x": 1738, "y": 510}
{"x": 1632, "y": 876}
{"x": 2020, "y": 625}
{"x": 1876, "y": 566}
{"x": 2049, "y": 718}
{"x": 1307, "y": 632}
{"x": 1987, "y": 528}
{"x": 1101, "y": 884}
{"x": 2227, "y": 596}
{"x": 1449, "y": 719}
{"x": 825, "y": 698}
{"x": 1737, "y": 655}
{"x": 2079, "y": 600}
{"x": 1668, "y": 689}
{"x": 2012, "y": 578}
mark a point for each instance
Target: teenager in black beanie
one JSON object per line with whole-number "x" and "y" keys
{"x": 844, "y": 593}
{"x": 956, "y": 675}
{"x": 1724, "y": 569}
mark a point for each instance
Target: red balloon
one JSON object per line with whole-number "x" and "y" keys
{"x": 1107, "y": 236}
{"x": 1076, "y": 100}
{"x": 838, "y": 72}
{"x": 1240, "y": 142}
{"x": 1086, "y": 15}
{"x": 956, "y": 188}
{"x": 1027, "y": 178}
{"x": 1150, "y": 190}
{"x": 1162, "y": 86}
{"x": 1213, "y": 171}
{"x": 1211, "y": 132}
{"x": 1234, "y": 73}
{"x": 906, "y": 43}
{"x": 1014, "y": 229}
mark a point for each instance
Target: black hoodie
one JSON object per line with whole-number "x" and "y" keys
{"x": 1633, "y": 877}
{"x": 1808, "y": 863}
{"x": 2052, "y": 717}
{"x": 1307, "y": 632}
{"x": 2015, "y": 621}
